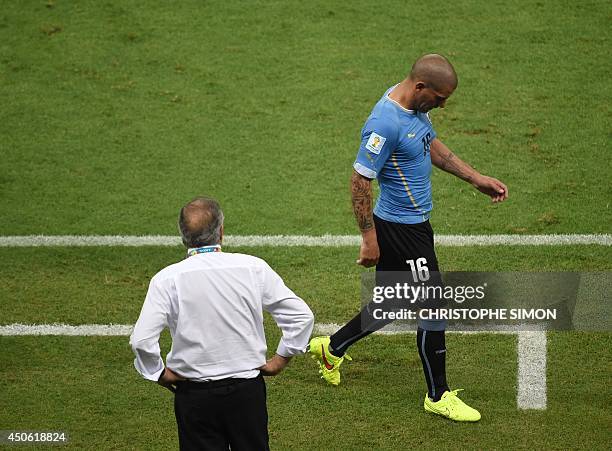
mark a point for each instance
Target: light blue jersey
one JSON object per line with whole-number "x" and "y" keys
{"x": 395, "y": 150}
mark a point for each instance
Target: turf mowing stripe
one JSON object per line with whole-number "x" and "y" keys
{"x": 299, "y": 240}
{"x": 531, "y": 350}
{"x": 391, "y": 329}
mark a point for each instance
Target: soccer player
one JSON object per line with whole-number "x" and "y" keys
{"x": 398, "y": 148}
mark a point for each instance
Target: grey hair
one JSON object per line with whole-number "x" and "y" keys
{"x": 200, "y": 222}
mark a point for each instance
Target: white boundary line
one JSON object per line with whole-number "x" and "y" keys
{"x": 18, "y": 329}
{"x": 531, "y": 350}
{"x": 299, "y": 240}
{"x": 86, "y": 330}
{"x": 531, "y": 389}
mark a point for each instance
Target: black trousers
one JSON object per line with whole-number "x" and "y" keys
{"x": 219, "y": 415}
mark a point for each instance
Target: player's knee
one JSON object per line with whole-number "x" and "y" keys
{"x": 433, "y": 324}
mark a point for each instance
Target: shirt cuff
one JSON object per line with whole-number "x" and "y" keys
{"x": 285, "y": 351}
{"x": 149, "y": 376}
{"x": 366, "y": 172}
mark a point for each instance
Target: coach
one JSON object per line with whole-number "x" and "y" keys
{"x": 213, "y": 304}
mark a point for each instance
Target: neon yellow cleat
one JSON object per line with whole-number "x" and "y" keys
{"x": 329, "y": 365}
{"x": 450, "y": 406}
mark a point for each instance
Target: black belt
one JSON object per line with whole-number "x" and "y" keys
{"x": 216, "y": 383}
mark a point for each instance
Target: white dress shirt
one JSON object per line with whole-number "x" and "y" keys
{"x": 213, "y": 305}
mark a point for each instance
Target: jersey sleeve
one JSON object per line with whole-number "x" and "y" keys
{"x": 378, "y": 141}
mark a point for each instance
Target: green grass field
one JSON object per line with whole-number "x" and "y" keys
{"x": 114, "y": 114}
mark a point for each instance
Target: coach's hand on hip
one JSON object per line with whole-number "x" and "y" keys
{"x": 168, "y": 379}
{"x": 274, "y": 365}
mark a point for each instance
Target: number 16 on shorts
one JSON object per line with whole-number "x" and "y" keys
{"x": 419, "y": 270}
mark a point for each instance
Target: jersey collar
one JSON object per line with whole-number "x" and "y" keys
{"x": 396, "y": 103}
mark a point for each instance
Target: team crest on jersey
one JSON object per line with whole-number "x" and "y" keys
{"x": 375, "y": 143}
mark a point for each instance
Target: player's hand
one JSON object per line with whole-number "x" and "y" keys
{"x": 496, "y": 190}
{"x": 168, "y": 379}
{"x": 274, "y": 365}
{"x": 369, "y": 251}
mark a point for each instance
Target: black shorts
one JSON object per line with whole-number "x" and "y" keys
{"x": 401, "y": 242}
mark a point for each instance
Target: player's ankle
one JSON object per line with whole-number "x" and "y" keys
{"x": 439, "y": 392}
{"x": 334, "y": 352}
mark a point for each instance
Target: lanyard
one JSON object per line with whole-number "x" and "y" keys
{"x": 203, "y": 250}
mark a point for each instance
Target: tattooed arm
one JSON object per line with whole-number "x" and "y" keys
{"x": 443, "y": 158}
{"x": 361, "y": 196}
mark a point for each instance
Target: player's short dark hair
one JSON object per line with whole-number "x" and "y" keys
{"x": 200, "y": 222}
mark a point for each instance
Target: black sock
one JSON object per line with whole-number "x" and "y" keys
{"x": 432, "y": 350}
{"x": 346, "y": 336}
{"x": 362, "y": 325}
